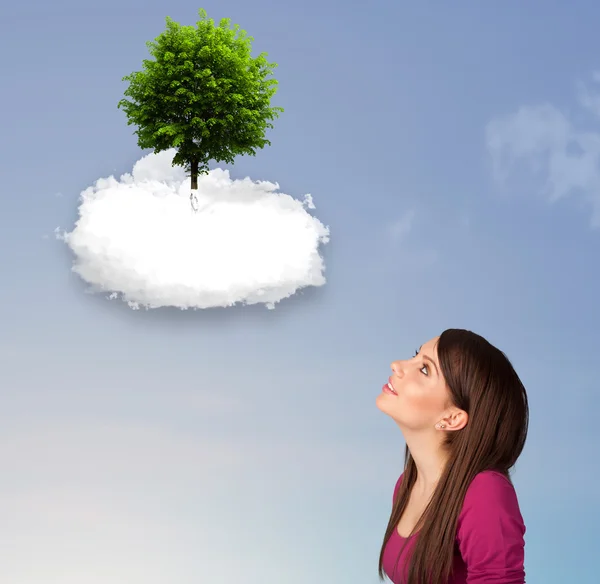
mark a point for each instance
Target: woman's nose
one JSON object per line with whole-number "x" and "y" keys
{"x": 397, "y": 368}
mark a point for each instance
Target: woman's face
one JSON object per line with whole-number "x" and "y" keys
{"x": 421, "y": 397}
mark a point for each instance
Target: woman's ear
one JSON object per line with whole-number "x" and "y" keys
{"x": 455, "y": 420}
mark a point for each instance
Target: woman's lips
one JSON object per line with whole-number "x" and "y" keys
{"x": 387, "y": 388}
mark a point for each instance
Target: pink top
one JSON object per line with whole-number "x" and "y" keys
{"x": 490, "y": 548}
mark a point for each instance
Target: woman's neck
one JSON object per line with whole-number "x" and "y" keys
{"x": 429, "y": 458}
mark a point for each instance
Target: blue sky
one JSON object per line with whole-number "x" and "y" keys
{"x": 242, "y": 444}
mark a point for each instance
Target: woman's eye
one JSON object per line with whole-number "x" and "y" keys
{"x": 426, "y": 370}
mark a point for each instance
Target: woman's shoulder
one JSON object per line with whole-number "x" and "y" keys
{"x": 490, "y": 496}
{"x": 488, "y": 488}
{"x": 490, "y": 483}
{"x": 490, "y": 525}
{"x": 487, "y": 479}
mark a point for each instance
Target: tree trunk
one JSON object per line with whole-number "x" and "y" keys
{"x": 194, "y": 173}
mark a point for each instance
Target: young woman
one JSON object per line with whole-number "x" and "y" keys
{"x": 464, "y": 414}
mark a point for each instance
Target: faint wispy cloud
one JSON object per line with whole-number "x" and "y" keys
{"x": 400, "y": 228}
{"x": 541, "y": 147}
{"x": 107, "y": 455}
{"x": 464, "y": 220}
{"x": 588, "y": 99}
{"x": 411, "y": 255}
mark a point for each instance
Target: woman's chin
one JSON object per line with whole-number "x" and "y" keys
{"x": 382, "y": 402}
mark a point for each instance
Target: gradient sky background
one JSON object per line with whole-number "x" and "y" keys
{"x": 243, "y": 445}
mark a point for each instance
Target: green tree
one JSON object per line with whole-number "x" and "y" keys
{"x": 202, "y": 94}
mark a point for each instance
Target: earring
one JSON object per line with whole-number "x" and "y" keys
{"x": 438, "y": 426}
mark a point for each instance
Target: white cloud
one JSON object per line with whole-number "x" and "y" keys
{"x": 138, "y": 239}
{"x": 542, "y": 143}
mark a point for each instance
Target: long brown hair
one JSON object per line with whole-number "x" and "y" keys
{"x": 483, "y": 383}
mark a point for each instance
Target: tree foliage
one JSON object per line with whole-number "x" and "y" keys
{"x": 203, "y": 94}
